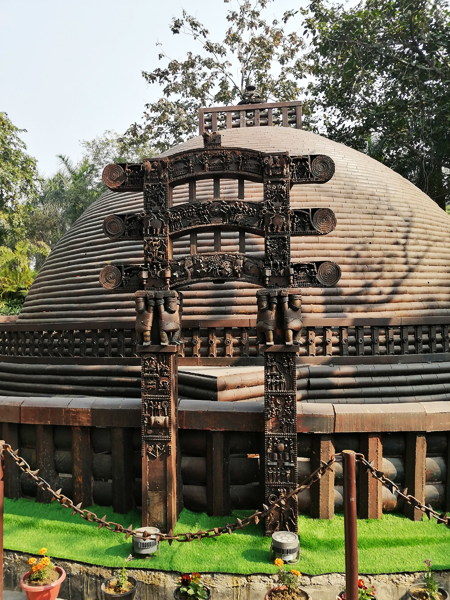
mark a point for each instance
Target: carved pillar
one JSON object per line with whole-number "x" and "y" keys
{"x": 278, "y": 326}
{"x": 277, "y": 227}
{"x": 158, "y": 350}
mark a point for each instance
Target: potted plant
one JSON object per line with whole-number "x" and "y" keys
{"x": 289, "y": 585}
{"x": 122, "y": 585}
{"x": 428, "y": 589}
{"x": 364, "y": 592}
{"x": 44, "y": 579}
{"x": 190, "y": 586}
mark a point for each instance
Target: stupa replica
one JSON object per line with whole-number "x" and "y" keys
{"x": 312, "y": 286}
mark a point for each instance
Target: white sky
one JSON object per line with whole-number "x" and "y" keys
{"x": 70, "y": 69}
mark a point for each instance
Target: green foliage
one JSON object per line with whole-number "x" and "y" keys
{"x": 253, "y": 50}
{"x": 431, "y": 585}
{"x": 289, "y": 578}
{"x": 122, "y": 584}
{"x": 16, "y": 275}
{"x": 68, "y": 193}
{"x": 19, "y": 182}
{"x": 382, "y": 73}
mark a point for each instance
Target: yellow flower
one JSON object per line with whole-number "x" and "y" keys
{"x": 296, "y": 573}
{"x": 43, "y": 551}
{"x": 34, "y": 569}
{"x": 31, "y": 561}
{"x": 278, "y": 562}
{"x": 45, "y": 561}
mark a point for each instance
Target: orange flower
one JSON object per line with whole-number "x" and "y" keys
{"x": 278, "y": 562}
{"x": 43, "y": 551}
{"x": 34, "y": 569}
{"x": 195, "y": 577}
{"x": 296, "y": 573}
{"x": 45, "y": 561}
{"x": 31, "y": 561}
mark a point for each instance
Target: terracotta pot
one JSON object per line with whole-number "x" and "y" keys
{"x": 43, "y": 592}
{"x": 177, "y": 596}
{"x": 420, "y": 586}
{"x": 284, "y": 587}
{"x": 128, "y": 595}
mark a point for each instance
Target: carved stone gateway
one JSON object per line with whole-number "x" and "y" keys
{"x": 279, "y": 304}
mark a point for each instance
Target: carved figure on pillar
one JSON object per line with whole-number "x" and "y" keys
{"x": 266, "y": 319}
{"x": 169, "y": 319}
{"x": 144, "y": 318}
{"x": 291, "y": 310}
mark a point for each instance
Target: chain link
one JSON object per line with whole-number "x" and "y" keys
{"x": 228, "y": 528}
{"x": 441, "y": 518}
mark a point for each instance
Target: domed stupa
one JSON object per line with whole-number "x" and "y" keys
{"x": 373, "y": 360}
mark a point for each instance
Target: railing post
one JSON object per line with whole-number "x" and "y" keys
{"x": 2, "y": 443}
{"x": 351, "y": 542}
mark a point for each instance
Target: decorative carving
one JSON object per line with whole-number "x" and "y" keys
{"x": 280, "y": 413}
{"x": 169, "y": 318}
{"x": 155, "y": 170}
{"x": 277, "y": 193}
{"x": 266, "y": 319}
{"x": 113, "y": 226}
{"x": 110, "y": 277}
{"x": 278, "y": 254}
{"x": 211, "y": 266}
{"x": 212, "y": 139}
{"x": 311, "y": 169}
{"x": 155, "y": 197}
{"x": 324, "y": 220}
{"x": 276, "y": 165}
{"x": 144, "y": 318}
{"x": 113, "y": 176}
{"x": 323, "y": 168}
{"x": 291, "y": 310}
{"x": 155, "y": 250}
{"x": 328, "y": 273}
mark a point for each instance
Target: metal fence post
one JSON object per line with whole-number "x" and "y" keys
{"x": 351, "y": 543}
{"x": 2, "y": 491}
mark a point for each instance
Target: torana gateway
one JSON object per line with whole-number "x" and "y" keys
{"x": 229, "y": 315}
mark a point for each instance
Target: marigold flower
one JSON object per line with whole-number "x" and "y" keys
{"x": 296, "y": 573}
{"x": 34, "y": 569}
{"x": 43, "y": 551}
{"x": 31, "y": 561}
{"x": 45, "y": 561}
{"x": 278, "y": 562}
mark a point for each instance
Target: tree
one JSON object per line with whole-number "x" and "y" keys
{"x": 107, "y": 148}
{"x": 253, "y": 51}
{"x": 19, "y": 182}
{"x": 17, "y": 274}
{"x": 66, "y": 194}
{"x": 382, "y": 84}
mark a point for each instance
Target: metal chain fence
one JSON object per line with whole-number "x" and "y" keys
{"x": 228, "y": 528}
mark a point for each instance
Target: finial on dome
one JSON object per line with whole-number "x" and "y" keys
{"x": 250, "y": 96}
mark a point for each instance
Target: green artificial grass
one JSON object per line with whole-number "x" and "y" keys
{"x": 391, "y": 545}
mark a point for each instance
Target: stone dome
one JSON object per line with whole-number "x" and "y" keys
{"x": 392, "y": 243}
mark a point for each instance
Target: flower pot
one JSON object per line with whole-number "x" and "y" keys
{"x": 183, "y": 596}
{"x": 43, "y": 592}
{"x": 128, "y": 595}
{"x": 415, "y": 590}
{"x": 283, "y": 588}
